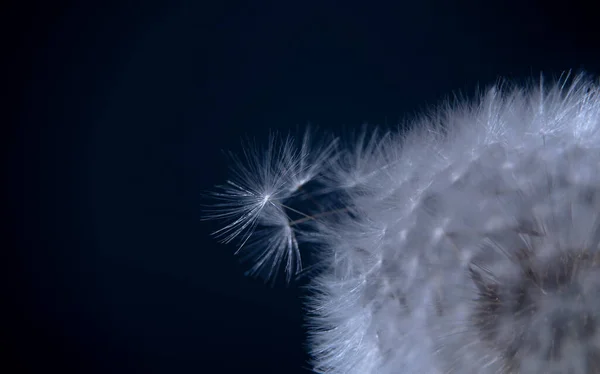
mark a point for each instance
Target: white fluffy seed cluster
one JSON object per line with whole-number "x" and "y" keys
{"x": 469, "y": 244}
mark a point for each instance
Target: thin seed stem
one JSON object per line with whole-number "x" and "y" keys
{"x": 308, "y": 218}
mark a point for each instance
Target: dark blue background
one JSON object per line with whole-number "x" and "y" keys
{"x": 123, "y": 108}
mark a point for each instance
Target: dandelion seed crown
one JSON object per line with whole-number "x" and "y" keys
{"x": 467, "y": 244}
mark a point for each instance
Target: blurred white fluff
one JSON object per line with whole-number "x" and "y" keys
{"x": 465, "y": 245}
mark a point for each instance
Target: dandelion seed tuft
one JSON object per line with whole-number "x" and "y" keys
{"x": 256, "y": 204}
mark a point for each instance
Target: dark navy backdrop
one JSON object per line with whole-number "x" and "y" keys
{"x": 123, "y": 110}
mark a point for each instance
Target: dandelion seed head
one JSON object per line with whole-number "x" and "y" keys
{"x": 469, "y": 244}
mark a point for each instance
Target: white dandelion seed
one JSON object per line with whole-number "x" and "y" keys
{"x": 254, "y": 202}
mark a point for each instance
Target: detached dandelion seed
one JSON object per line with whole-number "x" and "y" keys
{"x": 253, "y": 204}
